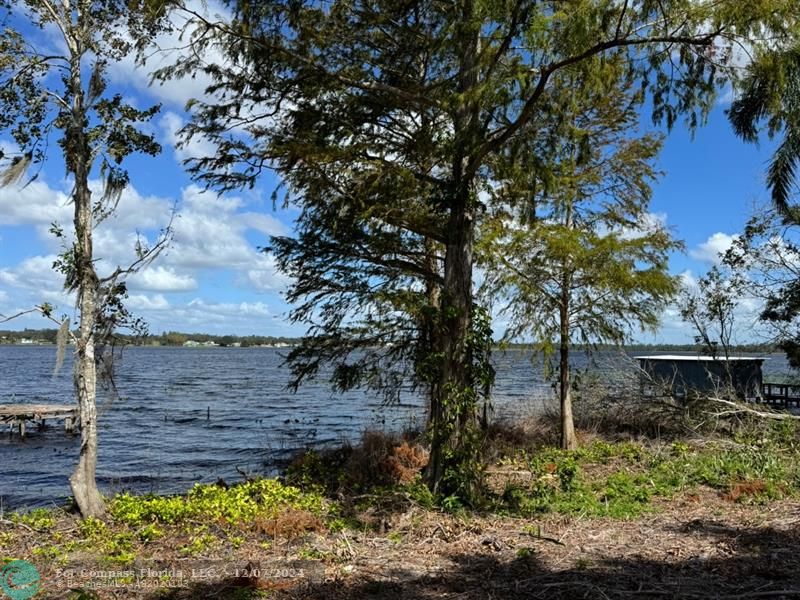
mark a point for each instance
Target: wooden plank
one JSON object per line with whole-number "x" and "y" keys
{"x": 27, "y": 409}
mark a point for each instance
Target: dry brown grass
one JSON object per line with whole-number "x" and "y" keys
{"x": 745, "y": 489}
{"x": 504, "y": 439}
{"x": 289, "y": 524}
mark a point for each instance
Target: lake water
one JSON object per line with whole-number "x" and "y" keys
{"x": 185, "y": 415}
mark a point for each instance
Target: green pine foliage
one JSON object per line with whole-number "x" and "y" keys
{"x": 575, "y": 214}
{"x": 571, "y": 253}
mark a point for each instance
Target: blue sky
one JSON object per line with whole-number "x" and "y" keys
{"x": 713, "y": 184}
{"x": 214, "y": 279}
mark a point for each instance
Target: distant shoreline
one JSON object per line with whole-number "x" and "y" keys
{"x": 189, "y": 340}
{"x": 496, "y": 348}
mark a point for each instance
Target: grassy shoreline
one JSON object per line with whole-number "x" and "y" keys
{"x": 361, "y": 517}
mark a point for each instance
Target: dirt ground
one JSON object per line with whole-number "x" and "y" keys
{"x": 699, "y": 545}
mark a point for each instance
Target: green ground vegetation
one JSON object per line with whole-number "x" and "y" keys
{"x": 329, "y": 494}
{"x": 625, "y": 479}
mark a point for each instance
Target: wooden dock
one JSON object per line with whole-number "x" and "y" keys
{"x": 784, "y": 395}
{"x": 18, "y": 415}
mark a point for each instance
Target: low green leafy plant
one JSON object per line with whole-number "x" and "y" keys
{"x": 232, "y": 505}
{"x": 6, "y": 539}
{"x": 395, "y": 536}
{"x": 150, "y": 532}
{"x": 82, "y": 594}
{"x": 92, "y": 527}
{"x": 50, "y": 552}
{"x": 420, "y": 493}
{"x": 198, "y": 545}
{"x": 41, "y": 519}
{"x": 119, "y": 549}
{"x": 311, "y": 553}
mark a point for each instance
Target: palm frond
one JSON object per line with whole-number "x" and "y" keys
{"x": 781, "y": 177}
{"x": 768, "y": 92}
{"x": 771, "y": 94}
{"x": 751, "y": 106}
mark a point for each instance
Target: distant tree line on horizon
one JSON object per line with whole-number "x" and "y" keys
{"x": 757, "y": 348}
{"x": 177, "y": 338}
{"x": 169, "y": 338}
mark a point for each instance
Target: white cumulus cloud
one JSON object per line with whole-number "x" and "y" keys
{"x": 210, "y": 233}
{"x": 265, "y": 276}
{"x": 198, "y": 147}
{"x": 36, "y": 204}
{"x": 165, "y": 49}
{"x": 215, "y": 238}
{"x": 162, "y": 279}
{"x": 688, "y": 280}
{"x": 648, "y": 223}
{"x": 713, "y": 248}
{"x": 142, "y": 302}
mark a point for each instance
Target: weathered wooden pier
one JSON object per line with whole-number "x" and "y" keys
{"x": 17, "y": 416}
{"x": 783, "y": 395}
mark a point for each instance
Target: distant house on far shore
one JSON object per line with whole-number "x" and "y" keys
{"x": 685, "y": 376}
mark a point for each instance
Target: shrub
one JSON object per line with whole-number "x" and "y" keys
{"x": 381, "y": 460}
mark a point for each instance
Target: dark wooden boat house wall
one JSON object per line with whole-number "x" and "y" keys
{"x": 686, "y": 376}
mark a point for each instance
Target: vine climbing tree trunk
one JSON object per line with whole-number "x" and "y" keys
{"x": 453, "y": 461}
{"x": 452, "y": 408}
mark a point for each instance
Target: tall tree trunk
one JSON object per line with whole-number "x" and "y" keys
{"x": 454, "y": 409}
{"x": 83, "y": 480}
{"x": 430, "y": 327}
{"x": 568, "y": 439}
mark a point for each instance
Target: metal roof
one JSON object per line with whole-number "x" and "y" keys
{"x": 682, "y": 357}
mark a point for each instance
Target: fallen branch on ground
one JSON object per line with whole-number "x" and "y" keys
{"x": 15, "y": 524}
{"x": 737, "y": 409}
